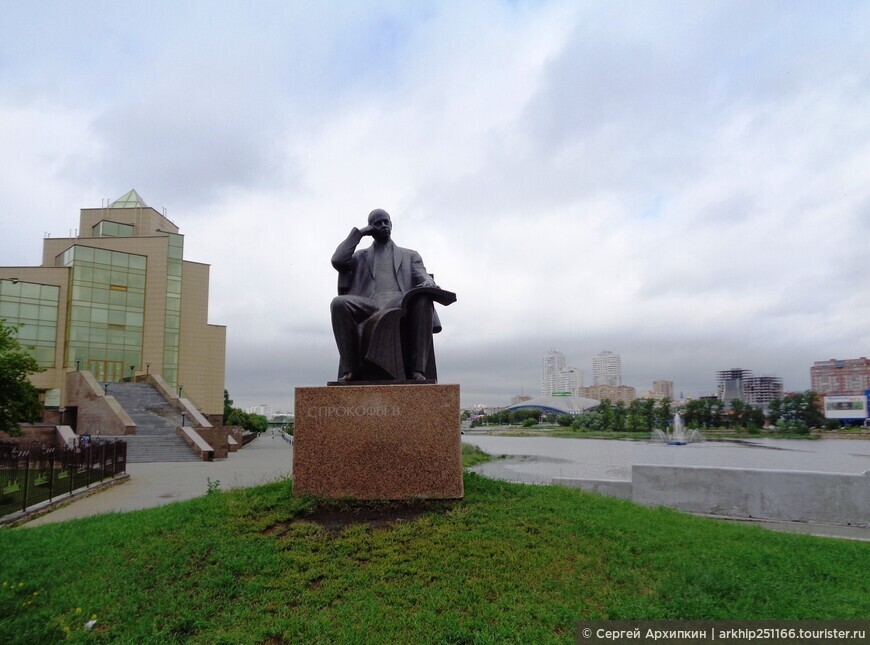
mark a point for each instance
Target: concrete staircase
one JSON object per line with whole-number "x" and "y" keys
{"x": 156, "y": 420}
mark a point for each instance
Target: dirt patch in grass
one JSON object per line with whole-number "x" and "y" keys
{"x": 379, "y": 516}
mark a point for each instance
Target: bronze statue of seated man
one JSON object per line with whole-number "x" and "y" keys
{"x": 383, "y": 318}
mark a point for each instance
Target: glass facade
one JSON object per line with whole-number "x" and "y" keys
{"x": 113, "y": 229}
{"x": 172, "y": 326}
{"x": 106, "y": 312}
{"x": 34, "y": 307}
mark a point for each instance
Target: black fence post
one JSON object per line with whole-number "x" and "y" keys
{"x": 51, "y": 476}
{"x": 88, "y": 468}
{"x": 72, "y": 468}
{"x": 26, "y": 481}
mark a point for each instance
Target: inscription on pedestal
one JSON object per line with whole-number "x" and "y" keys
{"x": 378, "y": 442}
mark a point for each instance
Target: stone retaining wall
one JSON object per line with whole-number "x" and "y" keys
{"x": 780, "y": 495}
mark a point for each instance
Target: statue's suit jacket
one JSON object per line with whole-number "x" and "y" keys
{"x": 356, "y": 275}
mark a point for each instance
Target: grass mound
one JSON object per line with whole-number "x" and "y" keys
{"x": 509, "y": 563}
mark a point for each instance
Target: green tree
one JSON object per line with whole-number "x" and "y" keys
{"x": 228, "y": 408}
{"x": 635, "y": 416}
{"x": 250, "y": 422}
{"x": 746, "y": 415}
{"x": 257, "y": 423}
{"x": 797, "y": 412}
{"x": 19, "y": 399}
{"x": 774, "y": 411}
{"x": 619, "y": 416}
{"x": 608, "y": 416}
{"x": 717, "y": 408}
{"x": 238, "y": 417}
{"x": 648, "y": 414}
{"x": 694, "y": 414}
{"x": 588, "y": 420}
{"x": 739, "y": 413}
{"x": 565, "y": 420}
{"x": 664, "y": 413}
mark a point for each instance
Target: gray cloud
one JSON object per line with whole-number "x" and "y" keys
{"x": 683, "y": 184}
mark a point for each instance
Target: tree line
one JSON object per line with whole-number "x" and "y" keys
{"x": 238, "y": 417}
{"x": 793, "y": 413}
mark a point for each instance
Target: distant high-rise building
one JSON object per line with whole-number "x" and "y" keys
{"x": 761, "y": 390}
{"x": 737, "y": 383}
{"x": 262, "y": 409}
{"x": 663, "y": 390}
{"x": 729, "y": 383}
{"x": 849, "y": 376}
{"x": 555, "y": 377}
{"x": 552, "y": 364}
{"x": 607, "y": 369}
{"x": 572, "y": 378}
{"x": 612, "y": 393}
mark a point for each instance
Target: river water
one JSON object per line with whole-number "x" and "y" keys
{"x": 540, "y": 459}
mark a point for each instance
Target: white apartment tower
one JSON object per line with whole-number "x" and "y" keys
{"x": 555, "y": 377}
{"x": 607, "y": 369}
{"x": 552, "y": 366}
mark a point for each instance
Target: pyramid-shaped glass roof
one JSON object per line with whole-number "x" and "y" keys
{"x": 130, "y": 200}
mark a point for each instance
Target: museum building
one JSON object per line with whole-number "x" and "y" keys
{"x": 119, "y": 301}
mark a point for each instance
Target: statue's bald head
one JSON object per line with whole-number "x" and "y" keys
{"x": 379, "y": 220}
{"x": 378, "y": 213}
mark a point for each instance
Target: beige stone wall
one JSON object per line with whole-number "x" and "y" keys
{"x": 145, "y": 220}
{"x": 98, "y": 415}
{"x": 203, "y": 347}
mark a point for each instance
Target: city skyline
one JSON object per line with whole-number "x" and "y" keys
{"x": 682, "y": 183}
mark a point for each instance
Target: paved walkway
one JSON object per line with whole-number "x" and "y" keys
{"x": 264, "y": 460}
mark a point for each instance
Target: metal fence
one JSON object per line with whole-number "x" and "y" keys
{"x": 30, "y": 476}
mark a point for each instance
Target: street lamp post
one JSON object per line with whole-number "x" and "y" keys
{"x": 132, "y": 367}
{"x": 106, "y": 388}
{"x": 180, "y": 390}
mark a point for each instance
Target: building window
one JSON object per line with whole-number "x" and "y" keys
{"x": 107, "y": 304}
{"x": 112, "y": 229}
{"x": 34, "y": 307}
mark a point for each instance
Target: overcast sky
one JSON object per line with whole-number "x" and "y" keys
{"x": 686, "y": 184}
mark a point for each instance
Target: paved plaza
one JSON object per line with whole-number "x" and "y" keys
{"x": 535, "y": 460}
{"x": 268, "y": 458}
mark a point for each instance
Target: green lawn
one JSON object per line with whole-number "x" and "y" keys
{"x": 509, "y": 563}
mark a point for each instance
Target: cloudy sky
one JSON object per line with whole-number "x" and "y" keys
{"x": 684, "y": 183}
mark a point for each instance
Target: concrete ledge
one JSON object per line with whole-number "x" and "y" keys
{"x": 835, "y": 499}
{"x": 609, "y": 487}
{"x": 66, "y": 436}
{"x": 786, "y": 495}
{"x": 38, "y": 510}
{"x": 200, "y": 446}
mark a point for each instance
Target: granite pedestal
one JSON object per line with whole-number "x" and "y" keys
{"x": 378, "y": 442}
